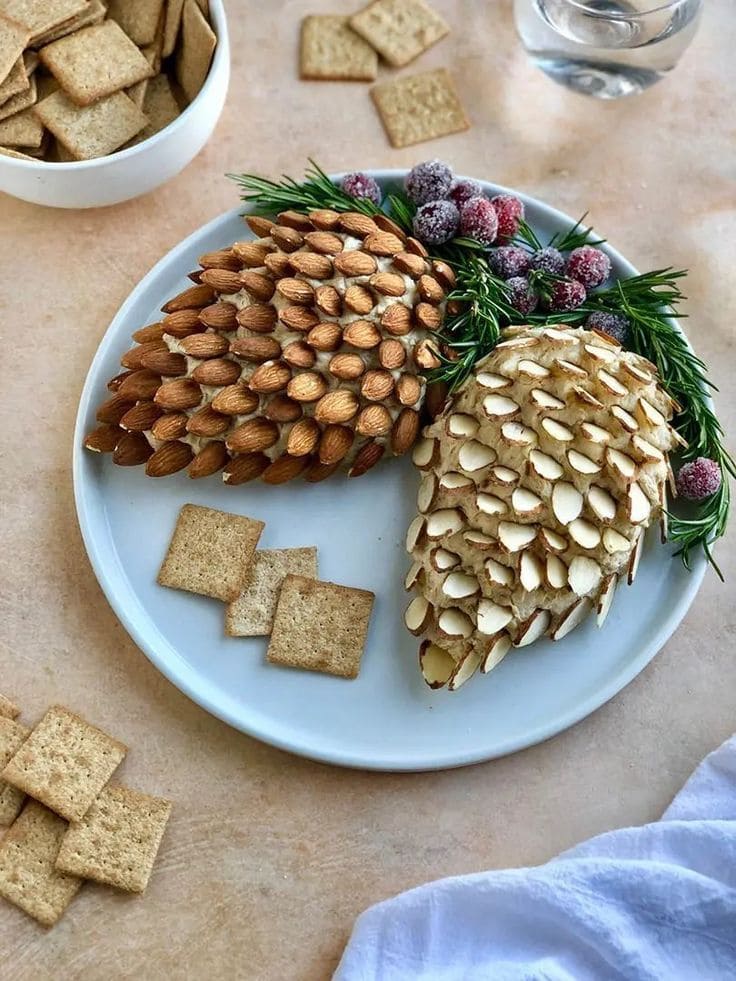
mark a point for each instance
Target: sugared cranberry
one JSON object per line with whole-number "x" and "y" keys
{"x": 462, "y": 191}
{"x": 567, "y": 294}
{"x": 616, "y": 325}
{"x": 361, "y": 186}
{"x": 589, "y": 266}
{"x": 548, "y": 260}
{"x": 698, "y": 479}
{"x": 509, "y": 261}
{"x": 436, "y": 222}
{"x": 478, "y": 220}
{"x": 520, "y": 295}
{"x": 429, "y": 181}
{"x": 510, "y": 211}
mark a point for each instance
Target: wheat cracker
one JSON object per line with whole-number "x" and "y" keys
{"x": 330, "y": 49}
{"x": 320, "y": 626}
{"x": 172, "y": 24}
{"x": 422, "y": 107}
{"x": 399, "y": 30}
{"x": 13, "y": 39}
{"x": 23, "y": 129}
{"x": 64, "y": 763}
{"x": 8, "y": 709}
{"x": 138, "y": 18}
{"x": 196, "y": 47}
{"x": 22, "y": 100}
{"x": 16, "y": 81}
{"x": 91, "y": 131}
{"x": 159, "y": 105}
{"x": 117, "y": 840}
{"x": 39, "y": 16}
{"x": 12, "y": 737}
{"x": 252, "y": 613}
{"x": 93, "y": 14}
{"x": 28, "y": 876}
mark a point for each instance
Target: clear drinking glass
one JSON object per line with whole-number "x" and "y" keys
{"x": 606, "y": 48}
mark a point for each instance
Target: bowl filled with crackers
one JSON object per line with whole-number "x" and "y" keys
{"x": 100, "y": 103}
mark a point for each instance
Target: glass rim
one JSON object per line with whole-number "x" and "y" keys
{"x": 583, "y": 7}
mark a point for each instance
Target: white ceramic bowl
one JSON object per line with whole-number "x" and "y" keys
{"x": 137, "y": 170}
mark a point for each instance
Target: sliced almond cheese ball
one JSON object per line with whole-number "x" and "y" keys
{"x": 539, "y": 480}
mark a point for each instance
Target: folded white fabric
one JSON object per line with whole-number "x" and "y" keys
{"x": 655, "y": 903}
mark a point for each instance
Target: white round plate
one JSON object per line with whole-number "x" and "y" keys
{"x": 387, "y": 719}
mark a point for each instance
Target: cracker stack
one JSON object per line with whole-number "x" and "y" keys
{"x": 295, "y": 354}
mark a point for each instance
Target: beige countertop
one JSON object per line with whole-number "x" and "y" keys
{"x": 268, "y": 858}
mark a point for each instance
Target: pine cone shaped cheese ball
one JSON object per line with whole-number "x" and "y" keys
{"x": 297, "y": 353}
{"x": 539, "y": 479}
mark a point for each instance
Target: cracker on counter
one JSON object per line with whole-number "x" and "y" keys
{"x": 399, "y": 30}
{"x": 39, "y": 16}
{"x": 90, "y": 131}
{"x": 22, "y": 100}
{"x": 196, "y": 47}
{"x": 330, "y": 49}
{"x": 23, "y": 129}
{"x": 252, "y": 613}
{"x": 93, "y": 14}
{"x": 95, "y": 62}
{"x": 117, "y": 840}
{"x": 13, "y": 39}
{"x": 415, "y": 108}
{"x": 15, "y": 81}
{"x": 159, "y": 105}
{"x": 8, "y": 709}
{"x": 320, "y": 626}
{"x": 28, "y": 875}
{"x": 64, "y": 763}
{"x": 211, "y": 552}
{"x": 138, "y": 18}
{"x": 12, "y": 737}
{"x": 172, "y": 24}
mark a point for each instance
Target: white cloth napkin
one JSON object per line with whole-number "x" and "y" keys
{"x": 655, "y": 902}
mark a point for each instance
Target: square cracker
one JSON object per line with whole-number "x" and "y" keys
{"x": 95, "y": 62}
{"x": 331, "y": 50}
{"x": 23, "y": 100}
{"x": 399, "y": 30}
{"x": 28, "y": 876}
{"x": 117, "y": 840}
{"x": 92, "y": 14}
{"x": 251, "y": 614}
{"x": 13, "y": 39}
{"x": 159, "y": 105}
{"x": 138, "y": 18}
{"x": 15, "y": 81}
{"x": 91, "y": 131}
{"x": 211, "y": 552}
{"x": 64, "y": 763}
{"x": 12, "y": 737}
{"x": 8, "y": 709}
{"x": 7, "y": 151}
{"x": 422, "y": 107}
{"x": 22, "y": 129}
{"x": 39, "y": 16}
{"x": 320, "y": 626}
{"x": 196, "y": 47}
{"x": 172, "y": 24}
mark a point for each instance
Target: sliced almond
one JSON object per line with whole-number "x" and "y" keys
{"x": 500, "y": 574}
{"x": 474, "y": 456}
{"x": 523, "y": 501}
{"x": 649, "y": 414}
{"x": 584, "y": 533}
{"x": 424, "y": 452}
{"x": 427, "y": 493}
{"x": 435, "y": 664}
{"x": 415, "y": 573}
{"x": 515, "y": 537}
{"x": 584, "y": 396}
{"x": 635, "y": 557}
{"x": 493, "y": 617}
{"x": 453, "y": 481}
{"x": 646, "y": 449}
{"x": 614, "y": 541}
{"x": 557, "y": 335}
{"x": 459, "y": 585}
{"x": 531, "y": 571}
{"x": 572, "y": 618}
{"x": 533, "y": 628}
{"x": 414, "y": 532}
{"x": 499, "y": 406}
{"x": 567, "y": 502}
{"x": 454, "y": 623}
{"x": 584, "y": 575}
{"x": 582, "y": 463}
{"x": 605, "y": 598}
{"x": 487, "y": 379}
{"x": 445, "y": 521}
{"x": 443, "y": 559}
{"x": 601, "y": 503}
{"x": 503, "y": 475}
{"x": 638, "y": 373}
{"x": 621, "y": 464}
{"x": 555, "y": 572}
{"x": 462, "y": 425}
{"x": 418, "y": 615}
{"x": 570, "y": 368}
{"x": 628, "y": 422}
{"x": 545, "y": 466}
{"x": 551, "y": 541}
{"x": 600, "y": 354}
{"x": 518, "y": 342}
{"x": 465, "y": 668}
{"x": 517, "y": 434}
{"x": 497, "y": 651}
{"x": 478, "y": 539}
{"x": 611, "y": 384}
{"x": 594, "y": 434}
{"x": 532, "y": 369}
{"x": 638, "y": 506}
{"x": 545, "y": 399}
{"x": 490, "y": 504}
{"x": 556, "y": 431}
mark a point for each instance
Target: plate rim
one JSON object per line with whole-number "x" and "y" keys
{"x": 381, "y": 762}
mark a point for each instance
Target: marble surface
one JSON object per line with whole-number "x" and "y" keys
{"x": 268, "y": 858}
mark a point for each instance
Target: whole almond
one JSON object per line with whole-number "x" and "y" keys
{"x": 256, "y": 285}
{"x": 388, "y": 284}
{"x": 299, "y": 354}
{"x": 151, "y": 332}
{"x": 241, "y": 469}
{"x": 168, "y": 459}
{"x": 114, "y": 409}
{"x": 207, "y": 345}
{"x": 355, "y": 263}
{"x": 405, "y": 431}
{"x": 444, "y": 272}
{"x": 221, "y": 316}
{"x": 220, "y": 259}
{"x": 324, "y": 218}
{"x": 415, "y": 246}
{"x": 359, "y": 299}
{"x": 253, "y": 436}
{"x": 328, "y": 300}
{"x": 413, "y": 265}
{"x": 337, "y": 406}
{"x": 281, "y": 408}
{"x": 251, "y": 254}
{"x": 132, "y": 449}
{"x": 325, "y": 337}
{"x": 259, "y": 225}
{"x": 408, "y": 389}
{"x": 173, "y": 425}
{"x": 296, "y": 290}
{"x": 235, "y": 400}
{"x": 430, "y": 290}
{"x": 383, "y": 243}
{"x": 181, "y": 393}
{"x": 256, "y": 349}
{"x": 317, "y": 471}
{"x": 387, "y": 224}
{"x": 140, "y": 385}
{"x": 259, "y": 317}
{"x": 207, "y": 422}
{"x": 209, "y": 460}
{"x": 307, "y": 386}
{"x": 277, "y": 264}
{"x": 367, "y": 457}
{"x": 285, "y": 468}
{"x": 287, "y": 239}
{"x": 166, "y": 362}
{"x": 181, "y": 323}
{"x": 294, "y": 219}
{"x": 425, "y": 355}
{"x": 335, "y": 444}
{"x": 192, "y": 298}
{"x": 271, "y": 376}
{"x": 222, "y": 280}
{"x": 325, "y": 243}
{"x": 133, "y": 358}
{"x": 428, "y": 316}
{"x": 114, "y": 384}
{"x": 391, "y": 354}
{"x": 217, "y": 371}
{"x": 103, "y": 439}
{"x": 396, "y": 319}
{"x": 298, "y": 318}
{"x": 311, "y": 264}
{"x": 377, "y": 385}
{"x": 373, "y": 420}
{"x": 141, "y": 417}
{"x": 347, "y": 366}
{"x": 362, "y": 334}
{"x": 303, "y": 437}
{"x": 357, "y": 224}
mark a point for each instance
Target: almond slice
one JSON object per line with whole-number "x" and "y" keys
{"x": 490, "y": 504}
{"x": 601, "y": 503}
{"x": 413, "y": 575}
{"x": 524, "y": 502}
{"x": 556, "y": 572}
{"x": 498, "y": 573}
{"x": 477, "y": 539}
{"x": 497, "y": 651}
{"x": 613, "y": 385}
{"x": 555, "y": 430}
{"x": 625, "y": 418}
{"x": 460, "y": 424}
{"x": 514, "y": 537}
{"x": 545, "y": 466}
{"x": 454, "y": 482}
{"x": 464, "y": 670}
{"x": 584, "y": 533}
{"x": 499, "y": 406}
{"x": 488, "y": 379}
{"x": 533, "y": 628}
{"x": 572, "y": 618}
{"x": 442, "y": 559}
{"x": 427, "y": 493}
{"x": 418, "y": 615}
{"x": 647, "y": 413}
{"x": 622, "y": 464}
{"x": 638, "y": 373}
{"x": 570, "y": 368}
{"x": 518, "y": 342}
{"x": 605, "y": 598}
{"x": 601, "y": 354}
{"x": 558, "y": 336}
{"x": 551, "y": 541}
{"x": 517, "y": 434}
{"x": 532, "y": 369}
{"x": 650, "y": 452}
{"x": 584, "y": 575}
{"x": 582, "y": 463}
{"x": 584, "y": 396}
{"x": 594, "y": 434}
{"x": 435, "y": 664}
{"x": 636, "y": 557}
{"x": 545, "y": 399}
{"x": 492, "y": 617}
{"x": 446, "y": 521}
{"x": 531, "y": 572}
{"x": 614, "y": 541}
{"x": 453, "y": 622}
{"x": 475, "y": 456}
{"x": 567, "y": 502}
{"x": 459, "y": 585}
{"x": 503, "y": 475}
{"x": 414, "y": 533}
{"x": 638, "y": 506}
{"x": 424, "y": 452}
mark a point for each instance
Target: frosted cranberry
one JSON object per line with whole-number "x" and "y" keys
{"x": 429, "y": 181}
{"x": 698, "y": 479}
{"x": 589, "y": 266}
{"x": 567, "y": 294}
{"x": 462, "y": 191}
{"x": 508, "y": 261}
{"x": 521, "y": 295}
{"x": 510, "y": 211}
{"x": 436, "y": 222}
{"x": 478, "y": 220}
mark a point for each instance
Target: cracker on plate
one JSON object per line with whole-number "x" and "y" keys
{"x": 8, "y": 709}
{"x": 13, "y": 39}
{"x": 197, "y": 45}
{"x": 91, "y": 131}
{"x": 22, "y": 129}
{"x": 330, "y": 49}
{"x": 95, "y": 62}
{"x": 399, "y": 30}
{"x": 138, "y": 18}
{"x": 94, "y": 13}
{"x": 320, "y": 626}
{"x": 251, "y": 614}
{"x": 16, "y": 103}
{"x": 12, "y": 736}
{"x": 28, "y": 875}
{"x": 64, "y": 763}
{"x": 415, "y": 108}
{"x": 211, "y": 552}
{"x": 117, "y": 840}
